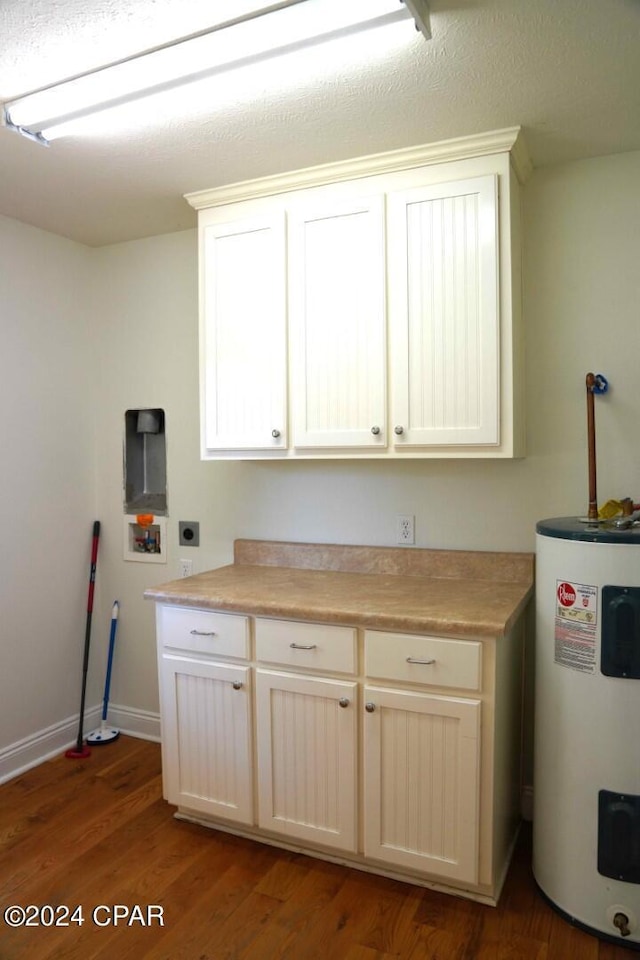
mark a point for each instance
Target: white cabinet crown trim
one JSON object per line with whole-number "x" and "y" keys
{"x": 509, "y": 140}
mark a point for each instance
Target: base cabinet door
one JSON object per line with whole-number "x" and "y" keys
{"x": 306, "y": 732}
{"x": 421, "y": 782}
{"x": 207, "y": 737}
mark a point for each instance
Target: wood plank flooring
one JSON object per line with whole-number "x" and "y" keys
{"x": 96, "y": 833}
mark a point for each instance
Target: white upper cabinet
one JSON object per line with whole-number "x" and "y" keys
{"x": 243, "y": 333}
{"x": 338, "y": 324}
{"x": 443, "y": 313}
{"x": 369, "y": 308}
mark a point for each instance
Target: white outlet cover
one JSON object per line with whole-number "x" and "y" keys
{"x": 405, "y": 529}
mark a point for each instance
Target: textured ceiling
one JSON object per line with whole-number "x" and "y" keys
{"x": 567, "y": 71}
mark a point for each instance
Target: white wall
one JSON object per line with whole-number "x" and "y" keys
{"x": 581, "y": 296}
{"x": 582, "y": 293}
{"x": 147, "y": 292}
{"x": 47, "y": 490}
{"x": 581, "y": 301}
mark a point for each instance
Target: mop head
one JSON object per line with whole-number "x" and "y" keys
{"x": 104, "y": 735}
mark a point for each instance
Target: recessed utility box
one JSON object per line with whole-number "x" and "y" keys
{"x": 145, "y": 462}
{"x": 145, "y": 538}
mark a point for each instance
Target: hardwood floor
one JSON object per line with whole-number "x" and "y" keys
{"x": 96, "y": 833}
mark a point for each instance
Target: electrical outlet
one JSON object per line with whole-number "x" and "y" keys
{"x": 186, "y": 568}
{"x": 188, "y": 533}
{"x": 405, "y": 528}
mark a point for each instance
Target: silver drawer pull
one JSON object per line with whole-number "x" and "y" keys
{"x": 426, "y": 663}
{"x": 203, "y": 633}
{"x": 303, "y": 646}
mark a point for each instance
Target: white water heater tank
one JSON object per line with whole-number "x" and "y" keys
{"x": 586, "y": 826}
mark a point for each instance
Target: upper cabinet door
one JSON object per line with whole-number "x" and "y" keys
{"x": 338, "y": 324}
{"x": 243, "y": 334}
{"x": 444, "y": 323}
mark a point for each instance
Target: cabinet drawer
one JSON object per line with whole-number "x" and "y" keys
{"x": 314, "y": 646}
{"x": 203, "y": 631}
{"x": 449, "y": 663}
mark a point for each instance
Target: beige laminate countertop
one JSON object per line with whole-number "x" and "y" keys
{"x": 456, "y": 593}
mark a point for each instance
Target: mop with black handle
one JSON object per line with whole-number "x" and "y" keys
{"x": 80, "y": 751}
{"x": 106, "y": 733}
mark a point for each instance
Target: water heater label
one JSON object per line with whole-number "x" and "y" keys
{"x": 576, "y": 625}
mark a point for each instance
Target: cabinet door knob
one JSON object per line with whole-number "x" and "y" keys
{"x": 237, "y": 685}
{"x": 375, "y": 431}
{"x": 344, "y": 701}
{"x": 369, "y": 707}
{"x": 415, "y": 660}
{"x": 399, "y": 430}
{"x": 275, "y": 434}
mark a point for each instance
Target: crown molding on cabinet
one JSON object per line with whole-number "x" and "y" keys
{"x": 461, "y": 148}
{"x": 520, "y": 159}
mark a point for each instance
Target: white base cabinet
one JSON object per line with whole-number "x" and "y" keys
{"x": 206, "y": 711}
{"x": 394, "y": 753}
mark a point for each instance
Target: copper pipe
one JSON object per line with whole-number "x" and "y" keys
{"x": 591, "y": 439}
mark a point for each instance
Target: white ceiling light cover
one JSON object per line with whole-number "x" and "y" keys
{"x": 51, "y": 112}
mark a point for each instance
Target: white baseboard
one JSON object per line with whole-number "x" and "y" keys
{"x": 45, "y": 744}
{"x": 136, "y": 723}
{"x": 526, "y": 802}
{"x": 42, "y": 745}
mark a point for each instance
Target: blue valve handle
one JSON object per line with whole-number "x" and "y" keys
{"x": 600, "y": 384}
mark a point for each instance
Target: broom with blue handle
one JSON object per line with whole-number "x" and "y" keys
{"x": 106, "y": 733}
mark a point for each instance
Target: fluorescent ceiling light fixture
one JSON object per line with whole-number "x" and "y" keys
{"x": 262, "y": 32}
